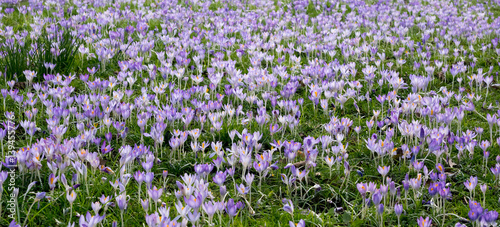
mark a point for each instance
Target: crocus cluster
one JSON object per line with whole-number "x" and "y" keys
{"x": 254, "y": 112}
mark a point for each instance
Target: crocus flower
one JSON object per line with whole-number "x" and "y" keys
{"x": 232, "y": 208}
{"x": 181, "y": 209}
{"x": 219, "y": 178}
{"x": 223, "y": 190}
{"x": 377, "y": 197}
{"x": 193, "y": 201}
{"x": 483, "y": 188}
{"x": 249, "y": 178}
{"x": 13, "y": 223}
{"x": 52, "y": 181}
{"x": 329, "y": 161}
{"x": 155, "y": 193}
{"x": 121, "y": 201}
{"x": 398, "y": 209}
{"x": 301, "y": 223}
{"x": 39, "y": 196}
{"x": 145, "y": 205}
{"x": 362, "y": 188}
{"x": 380, "y": 209}
{"x": 288, "y": 207}
{"x": 471, "y": 183}
{"x": 427, "y": 222}
{"x": 153, "y": 219}
{"x": 476, "y": 206}
{"x": 71, "y": 196}
{"x": 242, "y": 189}
{"x": 490, "y": 217}
{"x": 96, "y": 206}
{"x": 383, "y": 170}
{"x": 209, "y": 208}
{"x": 474, "y": 214}
{"x": 3, "y": 177}
{"x": 90, "y": 220}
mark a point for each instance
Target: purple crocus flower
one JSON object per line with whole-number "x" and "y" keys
{"x": 90, "y": 220}
{"x": 152, "y": 219}
{"x": 490, "y": 217}
{"x": 194, "y": 216}
{"x": 209, "y": 208}
{"x": 362, "y": 188}
{"x": 222, "y": 190}
{"x": 433, "y": 188}
{"x": 145, "y": 205}
{"x": 39, "y": 196}
{"x": 383, "y": 170}
{"x": 13, "y": 223}
{"x": 377, "y": 197}
{"x": 9, "y": 11}
{"x": 231, "y": 208}
{"x": 301, "y": 223}
{"x": 476, "y": 206}
{"x": 121, "y": 201}
{"x": 139, "y": 177}
{"x": 483, "y": 187}
{"x": 242, "y": 189}
{"x": 193, "y": 201}
{"x": 104, "y": 199}
{"x": 380, "y": 209}
{"x": 106, "y": 149}
{"x": 219, "y": 178}
{"x": 427, "y": 222}
{"x": 288, "y": 206}
{"x": 474, "y": 214}
{"x": 148, "y": 178}
{"x": 155, "y": 193}
{"x": 471, "y": 183}
{"x": 52, "y": 181}
{"x": 398, "y": 209}
{"x": 71, "y": 196}
{"x": 260, "y": 166}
